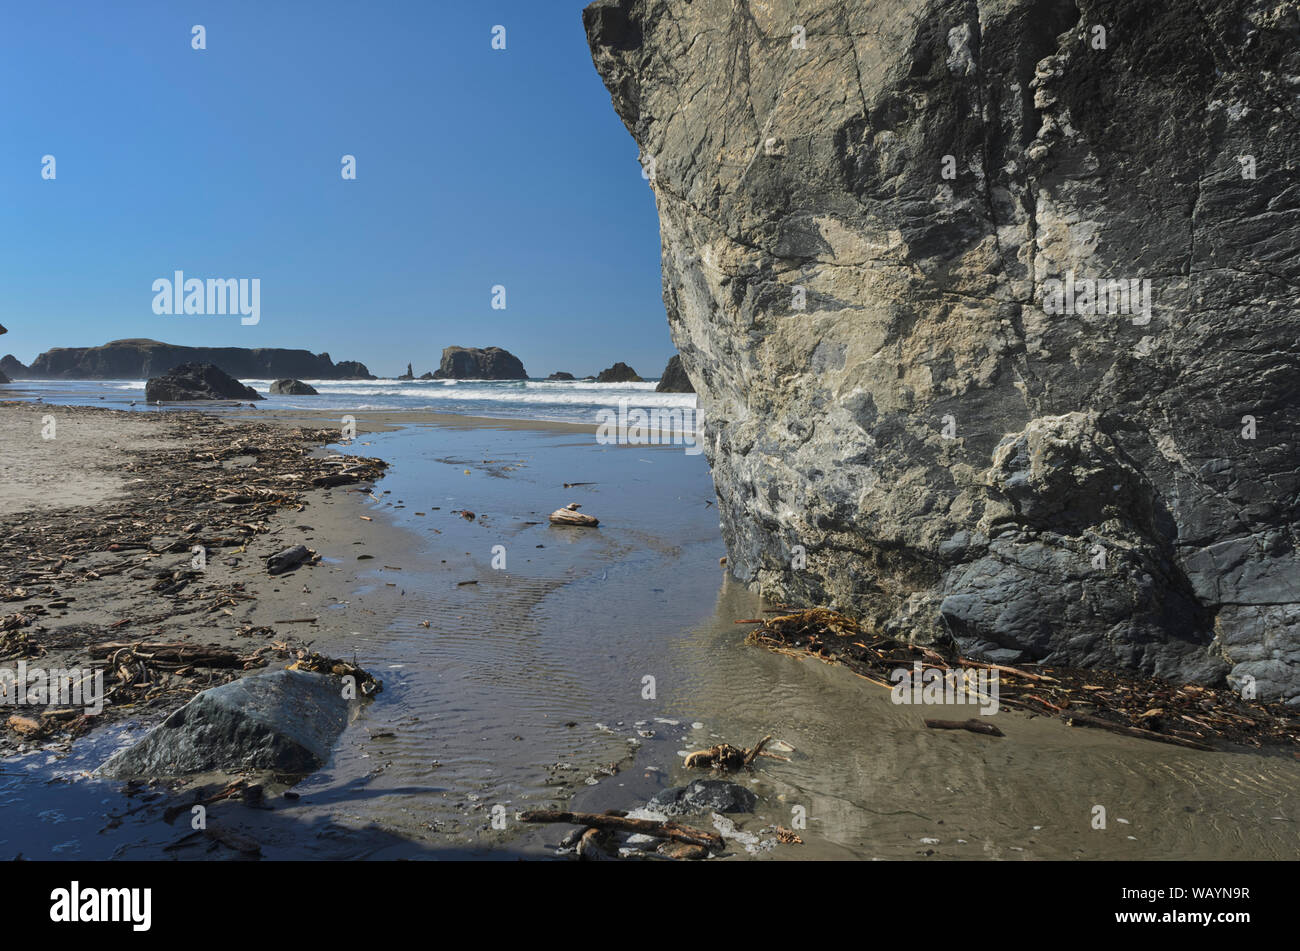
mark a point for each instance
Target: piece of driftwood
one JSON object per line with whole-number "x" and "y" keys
{"x": 724, "y": 756}
{"x": 974, "y": 726}
{"x": 569, "y": 515}
{"x": 660, "y": 830}
{"x": 1082, "y": 719}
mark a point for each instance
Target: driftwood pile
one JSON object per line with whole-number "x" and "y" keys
{"x": 212, "y": 485}
{"x": 1191, "y": 716}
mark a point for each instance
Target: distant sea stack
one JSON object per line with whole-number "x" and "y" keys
{"x": 139, "y": 358}
{"x": 675, "y": 379}
{"x": 10, "y": 364}
{"x": 197, "y": 381}
{"x": 471, "y": 363}
{"x": 560, "y": 376}
{"x": 292, "y": 388}
{"x": 995, "y": 330}
{"x": 619, "y": 373}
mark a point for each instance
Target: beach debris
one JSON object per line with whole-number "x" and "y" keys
{"x": 726, "y": 757}
{"x": 569, "y": 515}
{"x": 367, "y": 683}
{"x": 1191, "y": 715}
{"x": 614, "y": 822}
{"x": 787, "y": 836}
{"x": 289, "y": 558}
{"x": 972, "y": 725}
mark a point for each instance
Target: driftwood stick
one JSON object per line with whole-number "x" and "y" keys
{"x": 660, "y": 830}
{"x": 756, "y": 749}
{"x": 974, "y": 726}
{"x": 1082, "y": 719}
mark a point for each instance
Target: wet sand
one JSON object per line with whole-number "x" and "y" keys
{"x": 527, "y": 689}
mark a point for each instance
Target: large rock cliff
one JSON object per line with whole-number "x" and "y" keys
{"x": 881, "y": 224}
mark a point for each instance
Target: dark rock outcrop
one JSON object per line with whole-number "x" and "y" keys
{"x": 3, "y": 378}
{"x": 886, "y": 228}
{"x": 197, "y": 381}
{"x": 618, "y": 373}
{"x": 675, "y": 379}
{"x": 408, "y": 375}
{"x": 472, "y": 363}
{"x": 286, "y": 721}
{"x": 11, "y": 365}
{"x": 703, "y": 796}
{"x": 139, "y": 358}
{"x": 293, "y": 388}
{"x": 427, "y": 375}
{"x": 560, "y": 375}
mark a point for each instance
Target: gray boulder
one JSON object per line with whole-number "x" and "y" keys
{"x": 285, "y": 720}
{"x": 197, "y": 381}
{"x": 292, "y": 388}
{"x": 906, "y": 245}
{"x": 701, "y": 796}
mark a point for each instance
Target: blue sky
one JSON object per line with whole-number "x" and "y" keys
{"x": 475, "y": 167}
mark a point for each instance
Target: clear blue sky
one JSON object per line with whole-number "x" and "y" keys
{"x": 475, "y": 167}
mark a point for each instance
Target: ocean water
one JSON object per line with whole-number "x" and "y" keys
{"x": 570, "y": 402}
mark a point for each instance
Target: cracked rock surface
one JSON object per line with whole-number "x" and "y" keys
{"x": 906, "y": 254}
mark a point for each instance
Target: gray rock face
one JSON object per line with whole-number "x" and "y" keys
{"x": 472, "y": 363}
{"x": 293, "y": 388}
{"x": 286, "y": 720}
{"x": 618, "y": 373}
{"x": 701, "y": 796}
{"x": 879, "y": 221}
{"x": 11, "y": 365}
{"x": 674, "y": 379}
{"x": 197, "y": 381}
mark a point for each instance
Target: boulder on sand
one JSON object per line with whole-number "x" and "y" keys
{"x": 701, "y": 796}
{"x": 292, "y": 388}
{"x": 197, "y": 381}
{"x": 285, "y": 720}
{"x": 619, "y": 373}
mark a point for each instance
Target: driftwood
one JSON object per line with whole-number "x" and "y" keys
{"x": 569, "y": 515}
{"x": 1082, "y": 719}
{"x": 1187, "y": 715}
{"x": 973, "y": 725}
{"x": 660, "y": 830}
{"x": 725, "y": 756}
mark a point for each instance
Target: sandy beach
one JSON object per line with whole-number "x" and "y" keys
{"x": 514, "y": 656}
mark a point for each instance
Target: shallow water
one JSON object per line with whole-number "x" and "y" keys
{"x": 530, "y": 686}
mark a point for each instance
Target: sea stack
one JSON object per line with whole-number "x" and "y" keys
{"x": 674, "y": 379}
{"x": 472, "y": 363}
{"x": 885, "y": 250}
{"x": 619, "y": 373}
